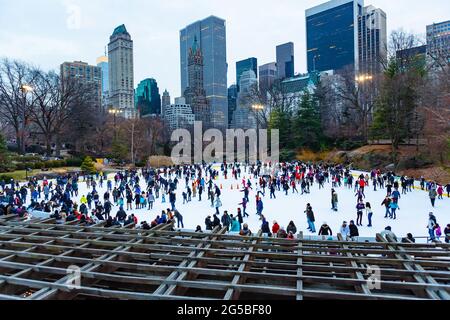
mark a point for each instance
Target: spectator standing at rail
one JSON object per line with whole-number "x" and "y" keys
{"x": 431, "y": 226}
{"x": 310, "y": 218}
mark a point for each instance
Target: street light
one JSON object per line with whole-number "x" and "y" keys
{"x": 25, "y": 88}
{"x": 114, "y": 111}
{"x": 257, "y": 108}
{"x": 363, "y": 78}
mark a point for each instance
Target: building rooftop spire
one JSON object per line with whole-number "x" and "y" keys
{"x": 195, "y": 45}
{"x": 120, "y": 30}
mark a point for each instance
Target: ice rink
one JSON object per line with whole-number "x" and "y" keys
{"x": 411, "y": 217}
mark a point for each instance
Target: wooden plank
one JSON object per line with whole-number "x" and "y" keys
{"x": 300, "y": 269}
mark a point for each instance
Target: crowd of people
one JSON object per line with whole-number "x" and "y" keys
{"x": 58, "y": 197}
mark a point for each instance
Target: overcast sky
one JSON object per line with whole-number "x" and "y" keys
{"x": 49, "y": 32}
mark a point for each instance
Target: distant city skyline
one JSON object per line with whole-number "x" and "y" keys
{"x": 47, "y": 33}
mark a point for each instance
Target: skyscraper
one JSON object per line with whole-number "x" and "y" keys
{"x": 344, "y": 34}
{"x": 195, "y": 94}
{"x": 165, "y": 101}
{"x": 147, "y": 98}
{"x": 211, "y": 35}
{"x": 267, "y": 76}
{"x": 372, "y": 40}
{"x": 285, "y": 60}
{"x": 232, "y": 102}
{"x": 438, "y": 44}
{"x": 248, "y": 80}
{"x": 243, "y": 117}
{"x": 91, "y": 76}
{"x": 332, "y": 35}
{"x": 102, "y": 62}
{"x": 245, "y": 65}
{"x": 121, "y": 73}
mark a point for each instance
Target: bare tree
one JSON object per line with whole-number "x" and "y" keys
{"x": 357, "y": 95}
{"x": 59, "y": 102}
{"x": 435, "y": 109}
{"x": 16, "y": 80}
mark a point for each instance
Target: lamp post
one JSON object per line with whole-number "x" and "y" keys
{"x": 25, "y": 88}
{"x": 361, "y": 81}
{"x": 114, "y": 112}
{"x": 257, "y": 108}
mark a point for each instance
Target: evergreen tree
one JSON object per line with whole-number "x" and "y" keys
{"x": 282, "y": 120}
{"x": 88, "y": 165}
{"x": 119, "y": 150}
{"x": 308, "y": 132}
{"x": 5, "y": 160}
{"x": 396, "y": 105}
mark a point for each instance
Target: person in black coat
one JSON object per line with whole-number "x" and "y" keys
{"x": 108, "y": 208}
{"x": 208, "y": 223}
{"x": 291, "y": 228}
{"x": 240, "y": 218}
{"x": 226, "y": 220}
{"x": 99, "y": 216}
{"x": 266, "y": 229}
{"x": 121, "y": 215}
{"x": 325, "y": 230}
{"x": 353, "y": 229}
{"x": 216, "y": 221}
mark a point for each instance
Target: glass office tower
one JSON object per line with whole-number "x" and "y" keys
{"x": 147, "y": 98}
{"x": 211, "y": 35}
{"x": 332, "y": 35}
{"x": 285, "y": 60}
{"x": 246, "y": 65}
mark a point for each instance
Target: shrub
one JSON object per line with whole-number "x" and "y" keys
{"x": 6, "y": 178}
{"x": 287, "y": 155}
{"x": 141, "y": 164}
{"x": 415, "y": 162}
{"x": 88, "y": 165}
{"x": 23, "y": 159}
{"x": 160, "y": 161}
{"x": 74, "y": 162}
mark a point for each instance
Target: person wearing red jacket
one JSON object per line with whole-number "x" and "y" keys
{"x": 440, "y": 192}
{"x": 275, "y": 227}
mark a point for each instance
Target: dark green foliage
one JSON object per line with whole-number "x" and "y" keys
{"x": 396, "y": 106}
{"x": 5, "y": 159}
{"x": 119, "y": 150}
{"x": 307, "y": 126}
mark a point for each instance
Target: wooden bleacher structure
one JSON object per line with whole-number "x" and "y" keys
{"x": 129, "y": 263}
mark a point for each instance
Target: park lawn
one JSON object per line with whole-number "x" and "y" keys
{"x": 20, "y": 175}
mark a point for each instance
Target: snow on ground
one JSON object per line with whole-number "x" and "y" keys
{"x": 412, "y": 216}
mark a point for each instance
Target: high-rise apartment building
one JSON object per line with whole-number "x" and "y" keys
{"x": 121, "y": 72}
{"x": 91, "y": 76}
{"x": 165, "y": 101}
{"x": 285, "y": 60}
{"x": 438, "y": 44}
{"x": 211, "y": 36}
{"x": 179, "y": 115}
{"x": 267, "y": 76}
